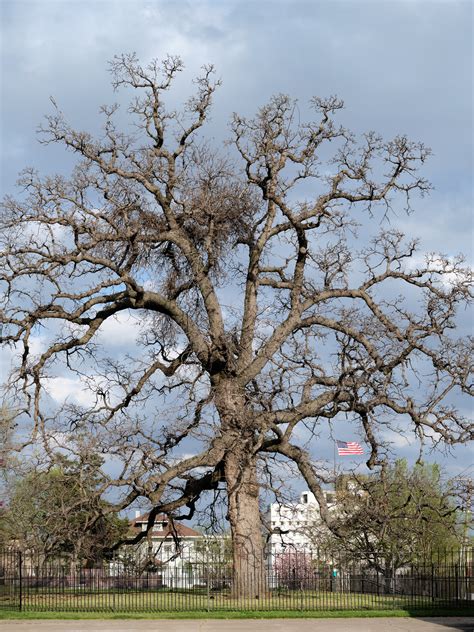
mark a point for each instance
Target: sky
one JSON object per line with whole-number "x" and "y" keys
{"x": 401, "y": 66}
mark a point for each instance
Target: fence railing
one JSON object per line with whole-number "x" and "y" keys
{"x": 190, "y": 580}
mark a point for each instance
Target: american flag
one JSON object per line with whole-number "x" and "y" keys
{"x": 349, "y": 447}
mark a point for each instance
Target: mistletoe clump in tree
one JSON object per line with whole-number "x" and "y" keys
{"x": 258, "y": 313}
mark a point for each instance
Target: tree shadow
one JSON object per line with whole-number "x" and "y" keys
{"x": 462, "y": 621}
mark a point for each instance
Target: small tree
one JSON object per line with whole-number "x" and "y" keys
{"x": 4, "y": 531}
{"x": 294, "y": 569}
{"x": 213, "y": 560}
{"x": 397, "y": 517}
{"x": 59, "y": 514}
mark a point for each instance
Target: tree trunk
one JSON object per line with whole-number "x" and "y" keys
{"x": 244, "y": 515}
{"x": 388, "y": 580}
{"x": 73, "y": 564}
{"x": 240, "y": 472}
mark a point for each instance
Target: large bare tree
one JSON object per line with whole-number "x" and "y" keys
{"x": 260, "y": 309}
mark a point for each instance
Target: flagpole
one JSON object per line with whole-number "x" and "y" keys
{"x": 334, "y": 464}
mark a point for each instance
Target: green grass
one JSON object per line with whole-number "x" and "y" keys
{"x": 219, "y": 614}
{"x": 162, "y": 604}
{"x": 165, "y": 601}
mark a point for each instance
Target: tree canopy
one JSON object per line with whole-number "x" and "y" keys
{"x": 59, "y": 514}
{"x": 395, "y": 517}
{"x": 258, "y": 309}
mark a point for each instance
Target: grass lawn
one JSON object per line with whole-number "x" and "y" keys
{"x": 192, "y": 605}
{"x": 166, "y": 601}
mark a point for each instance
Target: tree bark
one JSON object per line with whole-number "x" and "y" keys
{"x": 388, "y": 580}
{"x": 240, "y": 472}
{"x": 249, "y": 579}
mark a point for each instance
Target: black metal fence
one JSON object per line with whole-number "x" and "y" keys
{"x": 196, "y": 580}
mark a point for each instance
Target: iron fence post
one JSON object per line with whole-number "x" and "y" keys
{"x": 432, "y": 583}
{"x": 20, "y": 579}
{"x": 456, "y": 585}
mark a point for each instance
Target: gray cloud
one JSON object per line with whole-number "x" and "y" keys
{"x": 401, "y": 67}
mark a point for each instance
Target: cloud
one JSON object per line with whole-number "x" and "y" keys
{"x": 120, "y": 330}
{"x": 72, "y": 390}
{"x": 460, "y": 274}
{"x": 38, "y": 345}
{"x": 400, "y": 67}
{"x": 82, "y": 390}
{"x": 402, "y": 438}
{"x": 443, "y": 221}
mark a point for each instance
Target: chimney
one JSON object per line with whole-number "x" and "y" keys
{"x": 137, "y": 513}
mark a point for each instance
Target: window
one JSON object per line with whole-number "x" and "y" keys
{"x": 305, "y": 499}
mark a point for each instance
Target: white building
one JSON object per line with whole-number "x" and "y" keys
{"x": 290, "y": 525}
{"x": 175, "y": 553}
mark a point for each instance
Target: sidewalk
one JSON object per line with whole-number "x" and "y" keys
{"x": 389, "y": 624}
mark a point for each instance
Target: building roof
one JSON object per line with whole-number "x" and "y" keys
{"x": 165, "y": 530}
